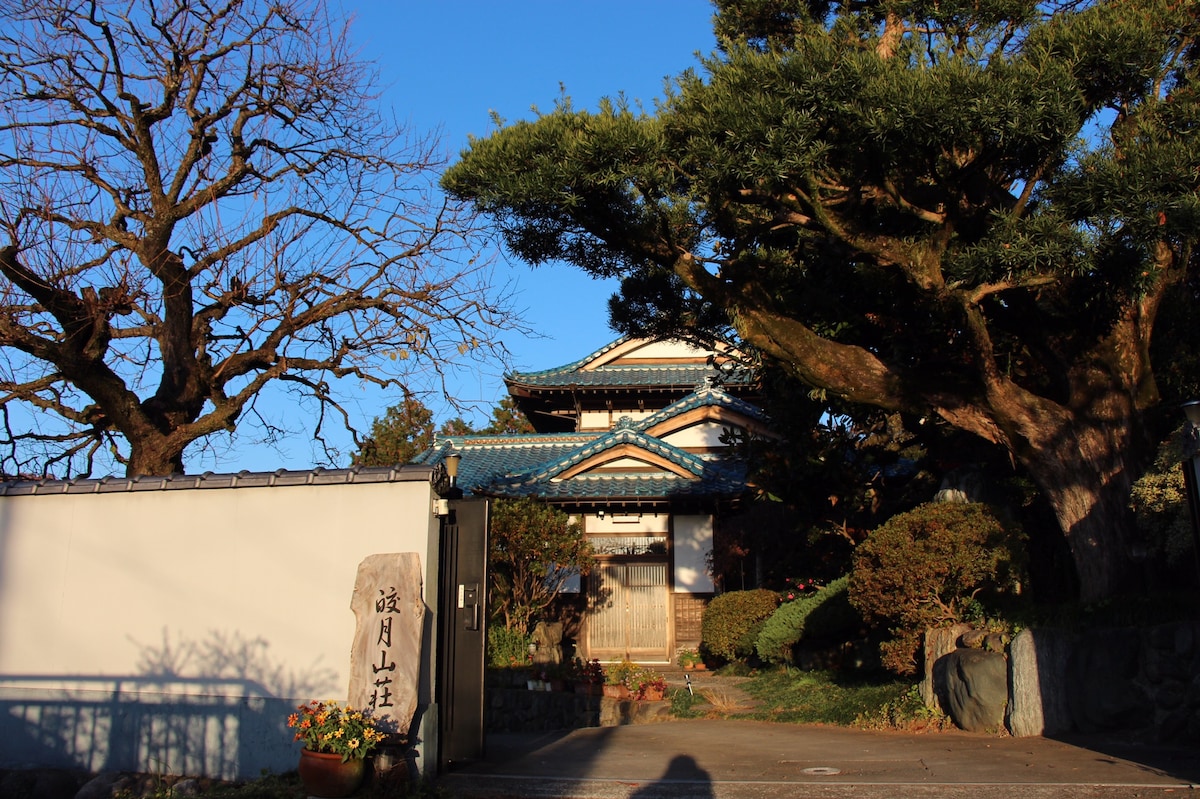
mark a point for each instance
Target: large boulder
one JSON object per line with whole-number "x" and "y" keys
{"x": 1038, "y": 694}
{"x": 976, "y": 687}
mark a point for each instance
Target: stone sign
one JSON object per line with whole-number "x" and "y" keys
{"x": 385, "y": 659}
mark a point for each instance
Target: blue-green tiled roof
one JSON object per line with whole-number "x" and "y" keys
{"x": 683, "y": 375}
{"x": 670, "y": 376}
{"x": 531, "y": 465}
{"x": 486, "y": 458}
{"x": 702, "y": 397}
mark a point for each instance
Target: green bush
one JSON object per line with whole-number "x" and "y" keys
{"x": 507, "y": 648}
{"x": 824, "y": 615}
{"x": 923, "y": 568}
{"x": 732, "y": 621}
{"x": 1160, "y": 506}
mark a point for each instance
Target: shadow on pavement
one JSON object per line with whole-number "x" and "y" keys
{"x": 683, "y": 777}
{"x": 1177, "y": 761}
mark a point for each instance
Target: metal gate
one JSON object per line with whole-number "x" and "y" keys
{"x": 628, "y": 611}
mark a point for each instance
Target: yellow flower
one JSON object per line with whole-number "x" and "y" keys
{"x": 353, "y": 744}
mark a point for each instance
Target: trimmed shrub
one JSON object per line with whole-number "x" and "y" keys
{"x": 928, "y": 567}
{"x": 732, "y": 622}
{"x": 826, "y": 614}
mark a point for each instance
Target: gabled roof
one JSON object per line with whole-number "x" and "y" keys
{"x": 625, "y": 435}
{"x": 604, "y": 368}
{"x": 709, "y": 396}
{"x": 628, "y": 373}
{"x": 485, "y": 458}
{"x": 628, "y": 465}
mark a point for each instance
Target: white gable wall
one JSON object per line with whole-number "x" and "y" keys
{"x": 665, "y": 350}
{"x": 706, "y": 435}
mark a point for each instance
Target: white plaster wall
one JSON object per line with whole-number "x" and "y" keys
{"x": 705, "y": 435}
{"x": 603, "y": 420}
{"x": 693, "y": 541}
{"x": 232, "y": 596}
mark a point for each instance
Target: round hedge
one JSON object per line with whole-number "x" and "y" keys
{"x": 826, "y": 614}
{"x": 732, "y": 621}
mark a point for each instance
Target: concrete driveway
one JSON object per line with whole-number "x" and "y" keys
{"x": 722, "y": 759}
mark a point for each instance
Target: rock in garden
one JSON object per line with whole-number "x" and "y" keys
{"x": 938, "y": 642}
{"x": 1038, "y": 697}
{"x": 99, "y": 787}
{"x": 186, "y": 787}
{"x": 976, "y": 688}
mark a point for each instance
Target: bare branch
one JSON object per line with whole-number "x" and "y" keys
{"x": 198, "y": 201}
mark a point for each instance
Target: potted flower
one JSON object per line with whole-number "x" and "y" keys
{"x": 650, "y": 685}
{"x": 336, "y": 740}
{"x": 619, "y": 682}
{"x": 689, "y": 659}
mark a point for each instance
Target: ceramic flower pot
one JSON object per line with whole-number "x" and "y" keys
{"x": 326, "y": 776}
{"x": 616, "y": 691}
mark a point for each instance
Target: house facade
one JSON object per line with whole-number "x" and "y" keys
{"x": 634, "y": 442}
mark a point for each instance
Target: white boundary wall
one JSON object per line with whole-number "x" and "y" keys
{"x": 173, "y": 630}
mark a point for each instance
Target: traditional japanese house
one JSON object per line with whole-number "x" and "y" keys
{"x": 633, "y": 440}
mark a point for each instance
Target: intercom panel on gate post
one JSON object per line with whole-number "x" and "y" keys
{"x": 469, "y": 606}
{"x": 462, "y": 631}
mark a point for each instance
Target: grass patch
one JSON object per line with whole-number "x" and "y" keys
{"x": 683, "y": 703}
{"x": 821, "y": 697}
{"x": 906, "y": 712}
{"x": 722, "y": 703}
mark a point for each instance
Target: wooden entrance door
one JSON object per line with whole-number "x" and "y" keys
{"x": 627, "y": 611}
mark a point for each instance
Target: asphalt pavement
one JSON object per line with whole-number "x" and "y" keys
{"x": 735, "y": 759}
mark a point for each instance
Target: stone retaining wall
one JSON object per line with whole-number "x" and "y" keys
{"x": 520, "y": 710}
{"x": 1049, "y": 681}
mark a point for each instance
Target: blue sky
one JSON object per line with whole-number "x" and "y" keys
{"x": 446, "y": 66}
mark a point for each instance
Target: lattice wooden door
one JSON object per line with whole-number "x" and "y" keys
{"x": 628, "y": 611}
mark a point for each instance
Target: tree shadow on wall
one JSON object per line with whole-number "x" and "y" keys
{"x": 214, "y": 707}
{"x": 233, "y": 657}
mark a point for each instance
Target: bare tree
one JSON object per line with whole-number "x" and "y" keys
{"x": 200, "y": 199}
